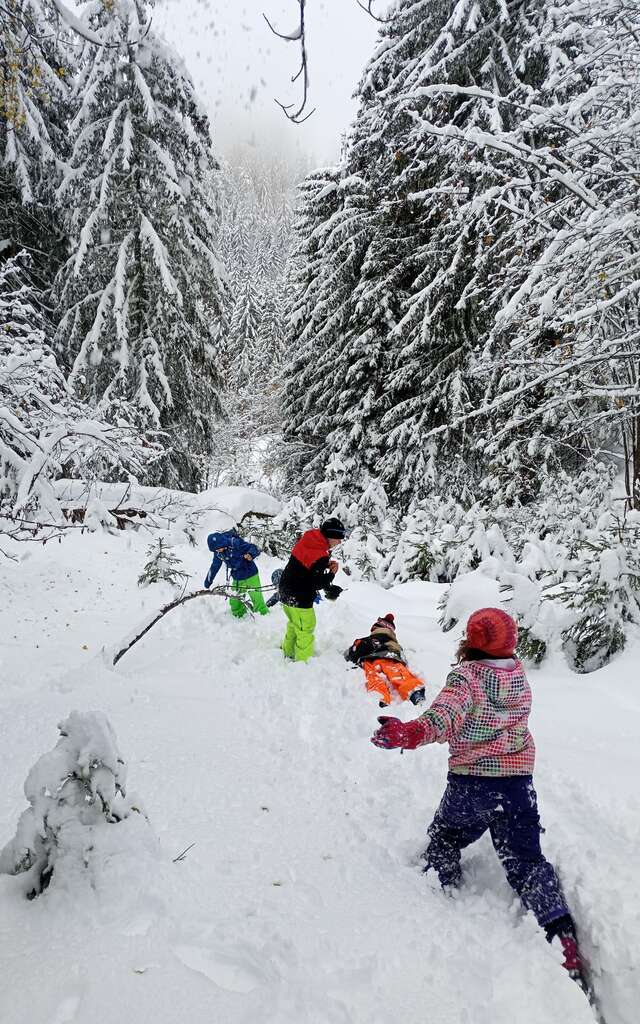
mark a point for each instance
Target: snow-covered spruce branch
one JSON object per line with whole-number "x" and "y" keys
{"x": 546, "y": 163}
{"x": 552, "y": 118}
{"x": 39, "y": 29}
{"x": 85, "y": 32}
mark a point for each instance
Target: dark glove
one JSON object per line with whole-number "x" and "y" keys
{"x": 394, "y": 733}
{"x": 417, "y": 695}
{"x": 332, "y": 592}
{"x": 351, "y": 654}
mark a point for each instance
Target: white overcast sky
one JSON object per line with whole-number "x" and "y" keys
{"x": 238, "y": 67}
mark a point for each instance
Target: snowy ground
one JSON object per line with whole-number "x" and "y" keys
{"x": 302, "y": 901}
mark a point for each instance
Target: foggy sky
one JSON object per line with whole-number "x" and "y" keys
{"x": 238, "y": 67}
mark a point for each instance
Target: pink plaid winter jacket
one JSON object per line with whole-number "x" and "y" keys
{"x": 483, "y": 714}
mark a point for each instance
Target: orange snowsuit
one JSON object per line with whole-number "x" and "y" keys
{"x": 381, "y": 674}
{"x": 385, "y": 669}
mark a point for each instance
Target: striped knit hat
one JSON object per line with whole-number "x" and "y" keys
{"x": 385, "y": 622}
{"x": 493, "y": 632}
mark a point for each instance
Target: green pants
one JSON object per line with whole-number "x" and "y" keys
{"x": 298, "y": 640}
{"x": 250, "y": 588}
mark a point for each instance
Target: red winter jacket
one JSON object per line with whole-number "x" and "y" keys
{"x": 307, "y": 571}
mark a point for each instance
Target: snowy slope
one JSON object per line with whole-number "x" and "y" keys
{"x": 302, "y": 901}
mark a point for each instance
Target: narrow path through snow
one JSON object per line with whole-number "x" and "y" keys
{"x": 302, "y": 901}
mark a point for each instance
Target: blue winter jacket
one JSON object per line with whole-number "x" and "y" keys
{"x": 234, "y": 548}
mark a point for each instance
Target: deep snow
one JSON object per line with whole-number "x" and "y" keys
{"x": 302, "y": 901}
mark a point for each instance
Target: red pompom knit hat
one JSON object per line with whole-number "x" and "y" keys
{"x": 385, "y": 622}
{"x": 493, "y": 632}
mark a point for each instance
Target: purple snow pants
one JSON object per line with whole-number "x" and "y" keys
{"x": 508, "y": 807}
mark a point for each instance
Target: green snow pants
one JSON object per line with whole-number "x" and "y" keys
{"x": 298, "y": 640}
{"x": 248, "y": 588}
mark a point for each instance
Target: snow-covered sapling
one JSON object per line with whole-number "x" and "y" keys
{"x": 602, "y": 588}
{"x": 73, "y": 790}
{"x": 163, "y": 565}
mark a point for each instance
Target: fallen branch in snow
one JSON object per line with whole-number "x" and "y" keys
{"x": 182, "y": 856}
{"x": 29, "y": 529}
{"x": 122, "y": 516}
{"x": 214, "y": 592}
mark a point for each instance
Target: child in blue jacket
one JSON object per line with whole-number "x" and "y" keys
{"x": 238, "y": 556}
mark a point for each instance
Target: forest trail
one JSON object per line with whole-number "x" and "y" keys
{"x": 302, "y": 899}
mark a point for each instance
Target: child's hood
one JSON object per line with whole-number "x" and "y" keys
{"x": 220, "y": 540}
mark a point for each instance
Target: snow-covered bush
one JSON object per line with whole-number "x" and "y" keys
{"x": 45, "y": 432}
{"x": 278, "y": 534}
{"x": 601, "y": 588}
{"x": 575, "y": 585}
{"x": 73, "y": 791}
{"x": 372, "y": 532}
{"x": 162, "y": 566}
{"x": 467, "y": 593}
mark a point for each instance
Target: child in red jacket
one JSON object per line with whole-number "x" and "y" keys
{"x": 483, "y": 714}
{"x": 385, "y": 666}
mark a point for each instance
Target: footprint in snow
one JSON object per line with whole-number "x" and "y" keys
{"x": 224, "y": 969}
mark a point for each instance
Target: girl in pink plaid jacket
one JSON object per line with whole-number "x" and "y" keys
{"x": 483, "y": 714}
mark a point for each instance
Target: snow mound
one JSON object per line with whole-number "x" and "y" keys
{"x": 73, "y": 790}
{"x": 470, "y": 591}
{"x": 219, "y": 508}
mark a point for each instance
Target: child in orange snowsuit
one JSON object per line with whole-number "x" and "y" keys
{"x": 384, "y": 663}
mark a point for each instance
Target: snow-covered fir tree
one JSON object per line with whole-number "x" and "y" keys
{"x": 448, "y": 212}
{"x": 254, "y": 242}
{"x": 140, "y": 301}
{"x": 163, "y": 565}
{"x": 561, "y": 362}
{"x": 36, "y": 66}
{"x": 329, "y": 383}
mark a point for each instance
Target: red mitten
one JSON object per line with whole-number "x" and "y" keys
{"x": 394, "y": 733}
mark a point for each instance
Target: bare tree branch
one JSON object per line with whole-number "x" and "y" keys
{"x": 368, "y": 9}
{"x": 300, "y": 114}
